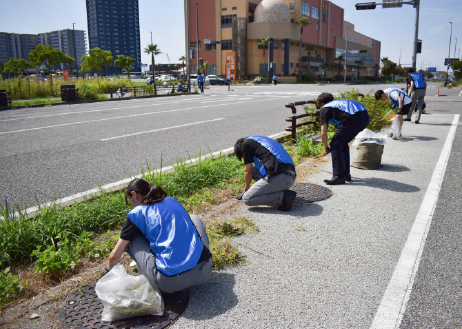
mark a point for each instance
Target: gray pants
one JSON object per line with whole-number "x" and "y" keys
{"x": 267, "y": 191}
{"x": 417, "y": 95}
{"x": 139, "y": 250}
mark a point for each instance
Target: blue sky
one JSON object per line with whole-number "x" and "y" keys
{"x": 165, "y": 18}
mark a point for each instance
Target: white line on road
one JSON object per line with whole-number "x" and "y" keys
{"x": 161, "y": 129}
{"x": 393, "y": 305}
{"x": 127, "y": 116}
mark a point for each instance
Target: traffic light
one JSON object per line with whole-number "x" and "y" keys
{"x": 365, "y": 6}
{"x": 419, "y": 46}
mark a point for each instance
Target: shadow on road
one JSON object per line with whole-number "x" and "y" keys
{"x": 213, "y": 298}
{"x": 298, "y": 210}
{"x": 393, "y": 168}
{"x": 418, "y": 138}
{"x": 385, "y": 184}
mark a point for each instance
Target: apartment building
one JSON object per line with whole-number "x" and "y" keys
{"x": 14, "y": 45}
{"x": 239, "y": 25}
{"x": 65, "y": 41}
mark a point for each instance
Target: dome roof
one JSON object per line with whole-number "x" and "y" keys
{"x": 272, "y": 11}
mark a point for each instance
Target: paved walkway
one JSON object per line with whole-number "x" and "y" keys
{"x": 328, "y": 264}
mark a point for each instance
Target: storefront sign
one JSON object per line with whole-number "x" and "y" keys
{"x": 66, "y": 74}
{"x": 230, "y": 65}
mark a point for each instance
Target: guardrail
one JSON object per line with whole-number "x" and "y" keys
{"x": 294, "y": 117}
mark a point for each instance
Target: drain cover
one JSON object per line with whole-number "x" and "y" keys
{"x": 307, "y": 193}
{"x": 83, "y": 309}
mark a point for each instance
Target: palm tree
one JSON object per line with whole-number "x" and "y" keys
{"x": 204, "y": 66}
{"x": 263, "y": 42}
{"x": 360, "y": 63}
{"x": 182, "y": 59}
{"x": 153, "y": 50}
{"x": 340, "y": 59}
{"x": 302, "y": 21}
{"x": 310, "y": 48}
{"x": 325, "y": 66}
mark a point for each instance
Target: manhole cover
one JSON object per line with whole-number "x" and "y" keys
{"x": 83, "y": 309}
{"x": 307, "y": 193}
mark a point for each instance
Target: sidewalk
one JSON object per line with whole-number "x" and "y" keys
{"x": 327, "y": 264}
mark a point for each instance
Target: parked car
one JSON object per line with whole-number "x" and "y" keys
{"x": 167, "y": 77}
{"x": 215, "y": 80}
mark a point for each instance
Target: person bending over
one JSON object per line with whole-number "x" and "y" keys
{"x": 400, "y": 99}
{"x": 351, "y": 118}
{"x": 268, "y": 163}
{"x": 169, "y": 246}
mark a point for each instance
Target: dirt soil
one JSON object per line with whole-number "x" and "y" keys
{"x": 40, "y": 302}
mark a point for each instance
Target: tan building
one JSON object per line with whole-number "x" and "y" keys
{"x": 239, "y": 25}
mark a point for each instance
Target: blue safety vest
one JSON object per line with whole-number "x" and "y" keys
{"x": 274, "y": 148}
{"x": 419, "y": 82}
{"x": 345, "y": 105}
{"x": 201, "y": 78}
{"x": 172, "y": 236}
{"x": 396, "y": 102}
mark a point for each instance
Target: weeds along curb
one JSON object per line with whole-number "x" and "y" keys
{"x": 88, "y": 102}
{"x": 120, "y": 185}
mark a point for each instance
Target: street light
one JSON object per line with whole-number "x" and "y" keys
{"x": 397, "y": 4}
{"x": 346, "y": 56}
{"x": 449, "y": 55}
{"x": 75, "y": 51}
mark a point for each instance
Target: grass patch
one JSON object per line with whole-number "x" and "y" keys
{"x": 36, "y": 101}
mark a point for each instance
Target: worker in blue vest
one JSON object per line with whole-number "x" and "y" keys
{"x": 350, "y": 117}
{"x": 169, "y": 246}
{"x": 400, "y": 99}
{"x": 268, "y": 163}
{"x": 200, "y": 80}
{"x": 417, "y": 90}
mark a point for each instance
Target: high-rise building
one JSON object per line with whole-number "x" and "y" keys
{"x": 64, "y": 40}
{"x": 14, "y": 45}
{"x": 114, "y": 25}
{"x": 239, "y": 25}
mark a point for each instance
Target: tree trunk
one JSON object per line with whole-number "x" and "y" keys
{"x": 300, "y": 57}
{"x": 308, "y": 61}
{"x": 153, "y": 76}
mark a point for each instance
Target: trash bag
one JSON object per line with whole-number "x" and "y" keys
{"x": 396, "y": 128}
{"x": 368, "y": 136}
{"x": 126, "y": 296}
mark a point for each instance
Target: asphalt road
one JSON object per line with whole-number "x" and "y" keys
{"x": 58, "y": 151}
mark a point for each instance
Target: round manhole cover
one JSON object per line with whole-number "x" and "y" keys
{"x": 308, "y": 193}
{"x": 83, "y": 309}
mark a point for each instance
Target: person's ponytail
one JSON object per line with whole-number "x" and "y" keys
{"x": 155, "y": 195}
{"x": 151, "y": 193}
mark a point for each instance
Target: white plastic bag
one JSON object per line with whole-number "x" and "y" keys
{"x": 396, "y": 128}
{"x": 368, "y": 136}
{"x": 126, "y": 296}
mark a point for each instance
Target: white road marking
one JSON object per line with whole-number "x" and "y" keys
{"x": 393, "y": 305}
{"x": 127, "y": 116}
{"x": 160, "y": 129}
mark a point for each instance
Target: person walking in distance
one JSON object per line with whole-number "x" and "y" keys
{"x": 351, "y": 118}
{"x": 200, "y": 80}
{"x": 417, "y": 91}
{"x": 268, "y": 163}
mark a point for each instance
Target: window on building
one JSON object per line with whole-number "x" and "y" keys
{"x": 275, "y": 44}
{"x": 296, "y": 65}
{"x": 283, "y": 45}
{"x": 292, "y": 44}
{"x": 210, "y": 47}
{"x": 315, "y": 12}
{"x": 234, "y": 8}
{"x": 227, "y": 20}
{"x": 317, "y": 26}
{"x": 292, "y": 5}
{"x": 291, "y": 65}
{"x": 305, "y": 9}
{"x": 224, "y": 9}
{"x": 282, "y": 68}
{"x": 263, "y": 69}
{"x": 227, "y": 45}
{"x": 332, "y": 18}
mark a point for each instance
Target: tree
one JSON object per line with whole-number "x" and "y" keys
{"x": 310, "y": 48}
{"x": 360, "y": 63}
{"x": 97, "y": 60}
{"x": 125, "y": 62}
{"x": 325, "y": 66}
{"x": 16, "y": 66}
{"x": 302, "y": 21}
{"x": 389, "y": 67}
{"x": 69, "y": 63}
{"x": 263, "y": 43}
{"x": 340, "y": 59}
{"x": 46, "y": 55}
{"x": 182, "y": 59}
{"x": 2, "y": 66}
{"x": 204, "y": 66}
{"x": 153, "y": 50}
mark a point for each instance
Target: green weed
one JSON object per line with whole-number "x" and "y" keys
{"x": 9, "y": 286}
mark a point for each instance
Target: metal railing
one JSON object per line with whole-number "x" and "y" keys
{"x": 293, "y": 119}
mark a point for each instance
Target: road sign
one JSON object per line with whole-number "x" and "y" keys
{"x": 450, "y": 60}
{"x": 392, "y": 4}
{"x": 431, "y": 69}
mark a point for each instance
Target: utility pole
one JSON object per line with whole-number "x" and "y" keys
{"x": 416, "y": 33}
{"x": 455, "y": 48}
{"x": 449, "y": 55}
{"x": 269, "y": 47}
{"x": 188, "y": 45}
{"x": 197, "y": 37}
{"x": 75, "y": 51}
{"x": 346, "y": 55}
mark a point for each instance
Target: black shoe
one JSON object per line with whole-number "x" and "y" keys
{"x": 417, "y": 122}
{"x": 348, "y": 178}
{"x": 336, "y": 180}
{"x": 406, "y": 119}
{"x": 287, "y": 200}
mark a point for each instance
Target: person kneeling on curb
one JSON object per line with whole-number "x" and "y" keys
{"x": 351, "y": 117}
{"x": 268, "y": 163}
{"x": 400, "y": 99}
{"x": 170, "y": 247}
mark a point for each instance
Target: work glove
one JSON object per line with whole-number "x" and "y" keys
{"x": 327, "y": 150}
{"x": 239, "y": 197}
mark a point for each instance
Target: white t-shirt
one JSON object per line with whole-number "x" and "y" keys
{"x": 396, "y": 95}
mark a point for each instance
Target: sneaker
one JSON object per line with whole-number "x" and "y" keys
{"x": 390, "y": 135}
{"x": 287, "y": 200}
